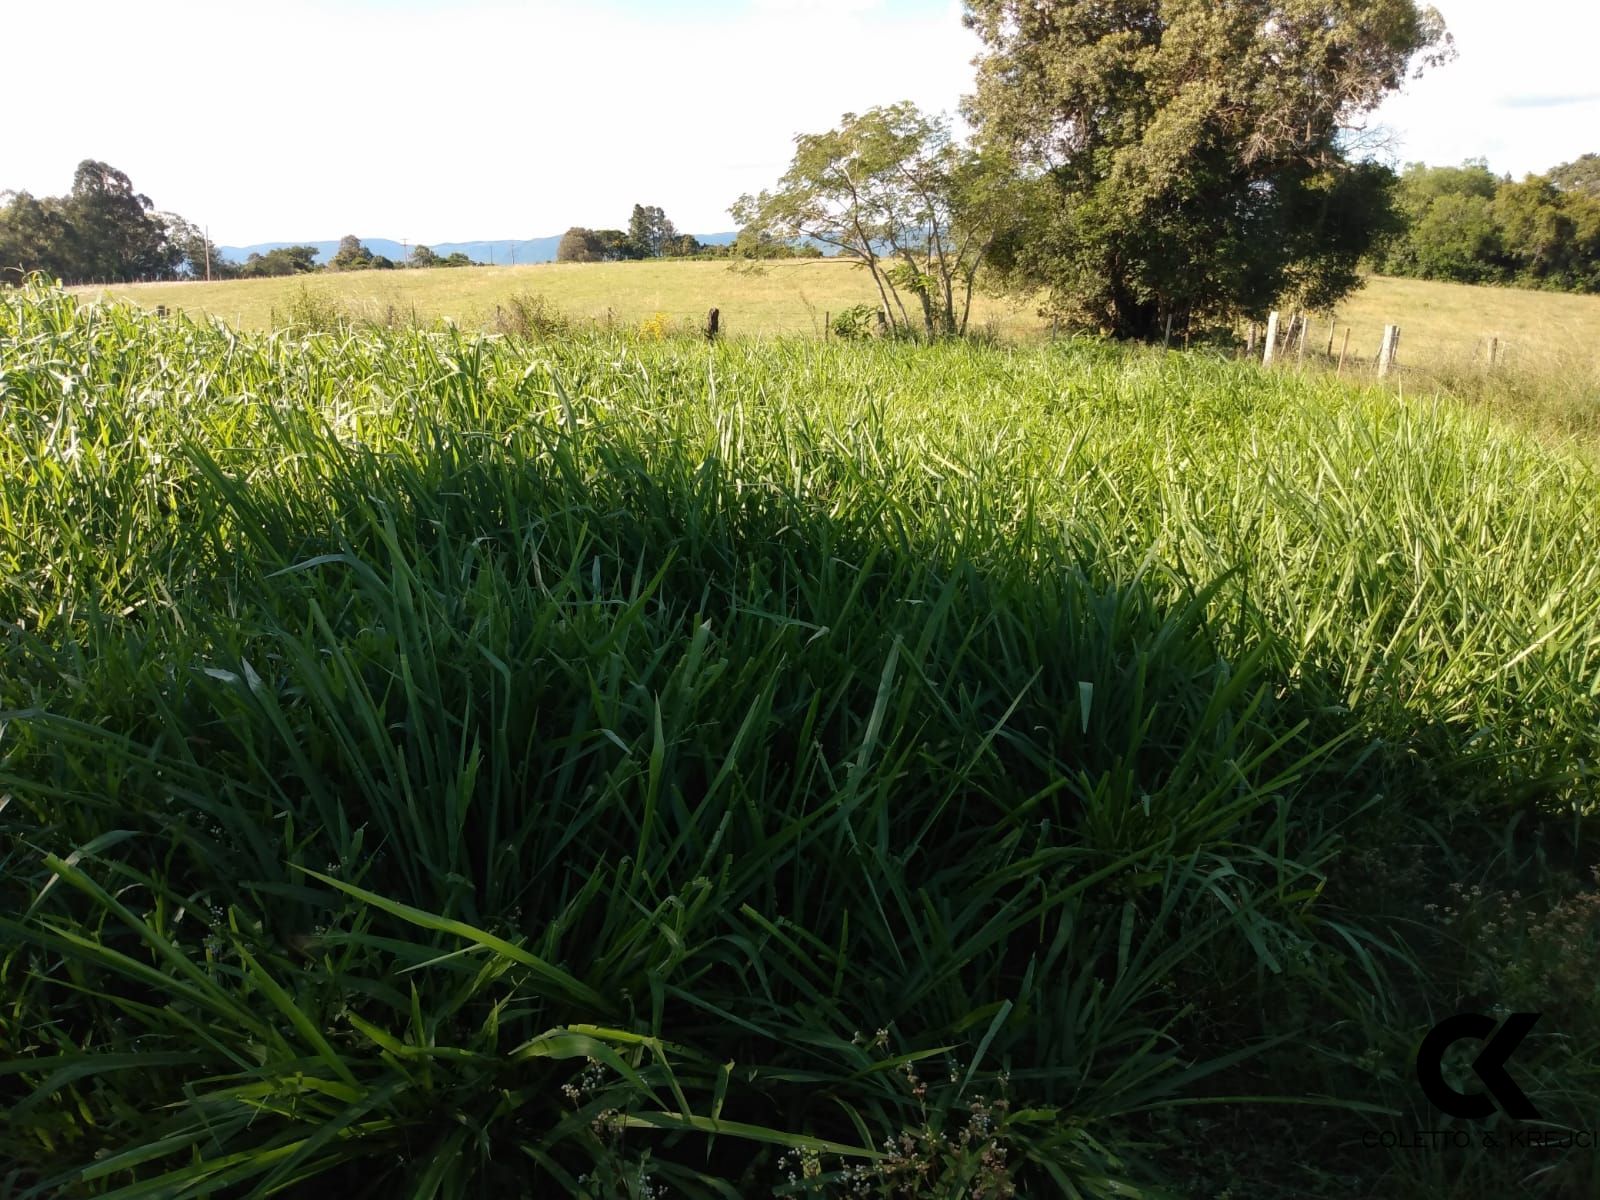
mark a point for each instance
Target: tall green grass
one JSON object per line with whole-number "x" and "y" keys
{"x": 441, "y": 765}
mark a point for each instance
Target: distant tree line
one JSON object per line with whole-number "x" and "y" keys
{"x": 352, "y": 255}
{"x": 651, "y": 235}
{"x": 1468, "y": 225}
{"x": 101, "y": 229}
{"x": 104, "y": 229}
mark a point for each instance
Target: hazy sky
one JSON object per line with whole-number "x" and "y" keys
{"x": 440, "y": 121}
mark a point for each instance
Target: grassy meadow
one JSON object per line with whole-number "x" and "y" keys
{"x": 1442, "y": 324}
{"x": 437, "y": 765}
{"x": 1546, "y": 377}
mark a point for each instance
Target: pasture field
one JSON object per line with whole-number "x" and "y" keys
{"x": 786, "y": 297}
{"x": 439, "y": 766}
{"x": 1547, "y": 377}
{"x": 1441, "y": 323}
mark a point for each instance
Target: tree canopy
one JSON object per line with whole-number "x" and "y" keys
{"x": 1466, "y": 225}
{"x": 1179, "y": 156}
{"x": 892, "y": 189}
{"x": 649, "y": 231}
{"x": 284, "y": 260}
{"x": 103, "y": 229}
{"x": 352, "y": 255}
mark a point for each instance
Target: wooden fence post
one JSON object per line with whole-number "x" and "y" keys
{"x": 713, "y": 324}
{"x": 1343, "y": 350}
{"x": 1494, "y": 349}
{"x": 1333, "y": 328}
{"x": 1305, "y": 332}
{"x": 1166, "y": 335}
{"x": 1386, "y": 353}
{"x": 1271, "y": 338}
{"x": 1250, "y": 341}
{"x": 827, "y": 325}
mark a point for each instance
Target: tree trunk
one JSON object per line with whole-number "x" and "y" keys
{"x": 1132, "y": 319}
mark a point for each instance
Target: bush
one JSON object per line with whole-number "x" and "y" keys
{"x": 856, "y": 322}
{"x": 314, "y": 310}
{"x": 530, "y": 315}
{"x": 656, "y": 327}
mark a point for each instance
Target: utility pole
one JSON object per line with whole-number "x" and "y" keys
{"x": 207, "y": 236}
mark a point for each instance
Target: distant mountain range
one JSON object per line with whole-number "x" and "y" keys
{"x": 506, "y": 250}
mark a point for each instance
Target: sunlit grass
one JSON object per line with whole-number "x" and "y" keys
{"x": 435, "y": 764}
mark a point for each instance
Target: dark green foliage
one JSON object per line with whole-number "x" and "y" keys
{"x": 352, "y": 255}
{"x": 101, "y": 230}
{"x": 285, "y": 260}
{"x": 595, "y": 245}
{"x": 441, "y": 766}
{"x": 1551, "y": 236}
{"x": 1181, "y": 158}
{"x": 649, "y": 231}
{"x": 857, "y": 321}
{"x": 1465, "y": 224}
{"x": 578, "y": 245}
{"x": 683, "y": 245}
{"x": 35, "y": 235}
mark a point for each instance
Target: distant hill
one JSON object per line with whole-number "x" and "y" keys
{"x": 506, "y": 250}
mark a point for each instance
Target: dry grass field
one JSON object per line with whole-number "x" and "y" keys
{"x": 1444, "y": 326}
{"x": 764, "y": 298}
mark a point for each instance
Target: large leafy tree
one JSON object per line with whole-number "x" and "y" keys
{"x": 352, "y": 255}
{"x": 1450, "y": 230}
{"x": 283, "y": 260}
{"x": 1466, "y": 224}
{"x": 35, "y": 235}
{"x": 1188, "y": 157}
{"x": 101, "y": 230}
{"x": 650, "y": 231}
{"x": 1551, "y": 236}
{"x": 117, "y": 234}
{"x": 198, "y": 255}
{"x": 580, "y": 244}
{"x": 892, "y": 189}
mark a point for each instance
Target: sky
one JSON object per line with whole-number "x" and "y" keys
{"x": 451, "y": 120}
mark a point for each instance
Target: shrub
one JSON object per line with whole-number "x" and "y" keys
{"x": 530, "y": 315}
{"x": 314, "y": 310}
{"x": 656, "y": 327}
{"x": 856, "y": 322}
